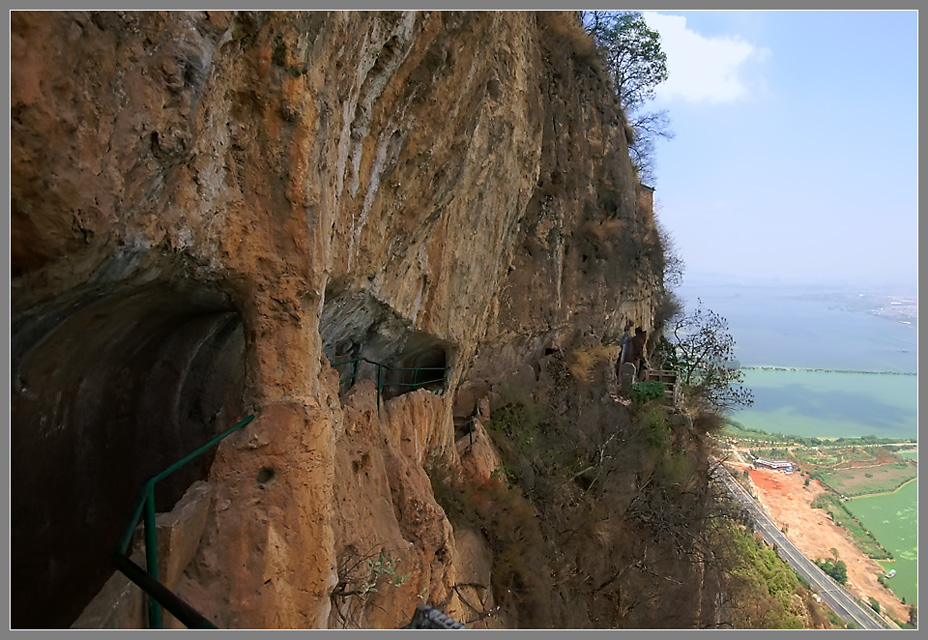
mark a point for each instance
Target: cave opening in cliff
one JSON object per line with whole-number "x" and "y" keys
{"x": 110, "y": 386}
{"x": 422, "y": 367}
{"x": 367, "y": 340}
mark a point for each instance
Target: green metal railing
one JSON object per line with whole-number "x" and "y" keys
{"x": 469, "y": 423}
{"x": 381, "y": 368}
{"x": 147, "y": 579}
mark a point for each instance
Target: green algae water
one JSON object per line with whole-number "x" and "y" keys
{"x": 831, "y": 404}
{"x": 803, "y": 328}
{"x": 892, "y": 519}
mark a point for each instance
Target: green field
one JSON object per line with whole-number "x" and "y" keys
{"x": 830, "y": 404}
{"x": 909, "y": 454}
{"x": 892, "y": 518}
{"x": 866, "y": 480}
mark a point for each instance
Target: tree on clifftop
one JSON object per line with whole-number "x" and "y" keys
{"x": 632, "y": 52}
{"x": 633, "y": 56}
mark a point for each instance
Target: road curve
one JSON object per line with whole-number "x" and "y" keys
{"x": 835, "y": 596}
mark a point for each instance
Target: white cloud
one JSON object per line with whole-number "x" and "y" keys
{"x": 702, "y": 69}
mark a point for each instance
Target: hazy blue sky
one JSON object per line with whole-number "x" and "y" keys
{"x": 795, "y": 154}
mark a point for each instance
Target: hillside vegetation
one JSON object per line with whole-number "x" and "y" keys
{"x": 602, "y": 515}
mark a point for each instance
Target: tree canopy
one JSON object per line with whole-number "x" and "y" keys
{"x": 632, "y": 52}
{"x": 837, "y": 569}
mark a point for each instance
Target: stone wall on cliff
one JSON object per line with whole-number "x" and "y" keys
{"x": 210, "y": 208}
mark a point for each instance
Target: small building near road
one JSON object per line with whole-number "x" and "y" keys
{"x": 777, "y": 465}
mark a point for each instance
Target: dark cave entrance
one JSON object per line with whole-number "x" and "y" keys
{"x": 358, "y": 331}
{"x": 110, "y": 386}
{"x": 423, "y": 368}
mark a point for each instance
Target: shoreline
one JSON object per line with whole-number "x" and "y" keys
{"x": 765, "y": 367}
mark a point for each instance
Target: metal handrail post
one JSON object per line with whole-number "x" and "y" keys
{"x": 185, "y": 614}
{"x": 151, "y": 556}
{"x": 148, "y": 487}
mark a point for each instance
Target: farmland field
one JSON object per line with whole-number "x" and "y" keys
{"x": 892, "y": 519}
{"x": 862, "y": 481}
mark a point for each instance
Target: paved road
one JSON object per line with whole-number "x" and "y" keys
{"x": 836, "y": 597}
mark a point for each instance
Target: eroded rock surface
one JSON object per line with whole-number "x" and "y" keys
{"x": 208, "y": 208}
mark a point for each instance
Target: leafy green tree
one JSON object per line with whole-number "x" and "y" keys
{"x": 701, "y": 350}
{"x": 636, "y": 62}
{"x": 835, "y": 568}
{"x": 632, "y": 52}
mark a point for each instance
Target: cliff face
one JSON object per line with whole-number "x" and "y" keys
{"x": 209, "y": 210}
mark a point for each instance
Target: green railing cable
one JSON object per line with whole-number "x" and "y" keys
{"x": 146, "y": 502}
{"x": 381, "y": 385}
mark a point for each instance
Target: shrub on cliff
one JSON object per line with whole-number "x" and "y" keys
{"x": 642, "y": 392}
{"x": 583, "y": 361}
{"x": 510, "y": 526}
{"x": 759, "y": 582}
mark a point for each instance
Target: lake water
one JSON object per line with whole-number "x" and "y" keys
{"x": 832, "y": 405}
{"x": 827, "y": 328}
{"x": 819, "y": 328}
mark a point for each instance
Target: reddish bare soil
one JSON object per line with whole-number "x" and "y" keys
{"x": 789, "y": 503}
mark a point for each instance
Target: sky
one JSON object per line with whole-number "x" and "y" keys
{"x": 795, "y": 149}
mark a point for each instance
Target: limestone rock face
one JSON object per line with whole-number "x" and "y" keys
{"x": 210, "y": 209}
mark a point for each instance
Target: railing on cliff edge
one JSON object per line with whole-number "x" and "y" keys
{"x": 381, "y": 384}
{"x": 470, "y": 427}
{"x": 159, "y": 595}
{"x": 469, "y": 423}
